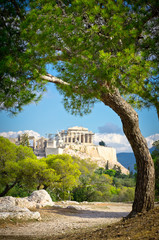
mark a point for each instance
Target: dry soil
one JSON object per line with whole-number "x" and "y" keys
{"x": 93, "y": 222}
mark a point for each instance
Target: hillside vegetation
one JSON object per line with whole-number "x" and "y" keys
{"x": 63, "y": 176}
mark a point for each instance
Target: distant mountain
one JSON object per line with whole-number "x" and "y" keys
{"x": 128, "y": 159}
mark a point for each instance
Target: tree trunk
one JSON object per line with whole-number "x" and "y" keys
{"x": 7, "y": 188}
{"x": 145, "y": 185}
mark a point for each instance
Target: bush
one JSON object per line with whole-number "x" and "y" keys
{"x": 125, "y": 195}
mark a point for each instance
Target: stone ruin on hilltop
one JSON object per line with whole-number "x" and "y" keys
{"x": 76, "y": 141}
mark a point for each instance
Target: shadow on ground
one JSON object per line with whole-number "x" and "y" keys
{"x": 85, "y": 213}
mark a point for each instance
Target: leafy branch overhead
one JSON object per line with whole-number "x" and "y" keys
{"x": 95, "y": 46}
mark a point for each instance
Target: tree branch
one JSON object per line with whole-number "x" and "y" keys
{"x": 53, "y": 79}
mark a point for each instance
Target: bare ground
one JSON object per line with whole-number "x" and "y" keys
{"x": 63, "y": 223}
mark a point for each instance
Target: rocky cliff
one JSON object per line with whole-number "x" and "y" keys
{"x": 99, "y": 154}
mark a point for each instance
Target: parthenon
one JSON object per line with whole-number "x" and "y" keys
{"x": 71, "y": 136}
{"x": 75, "y": 135}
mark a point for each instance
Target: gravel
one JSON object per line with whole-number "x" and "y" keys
{"x": 64, "y": 218}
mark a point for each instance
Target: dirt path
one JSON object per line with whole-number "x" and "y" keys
{"x": 57, "y": 221}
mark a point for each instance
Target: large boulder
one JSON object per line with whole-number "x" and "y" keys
{"x": 11, "y": 207}
{"x": 24, "y": 202}
{"x": 5, "y": 208}
{"x": 8, "y": 201}
{"x": 41, "y": 197}
{"x": 11, "y": 212}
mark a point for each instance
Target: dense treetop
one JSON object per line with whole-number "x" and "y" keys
{"x": 96, "y": 46}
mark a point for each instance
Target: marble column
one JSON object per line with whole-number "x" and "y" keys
{"x": 91, "y": 138}
{"x": 83, "y": 137}
{"x": 71, "y": 137}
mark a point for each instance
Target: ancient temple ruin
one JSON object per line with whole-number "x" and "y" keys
{"x": 55, "y": 143}
{"x": 74, "y": 135}
{"x": 71, "y": 136}
{"x": 76, "y": 141}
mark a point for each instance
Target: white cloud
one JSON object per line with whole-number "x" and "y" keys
{"x": 15, "y": 134}
{"x": 151, "y": 139}
{"x": 117, "y": 141}
{"x": 120, "y": 142}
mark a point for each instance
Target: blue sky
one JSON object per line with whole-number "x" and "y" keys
{"x": 49, "y": 116}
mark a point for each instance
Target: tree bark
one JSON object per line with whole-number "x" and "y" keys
{"x": 145, "y": 185}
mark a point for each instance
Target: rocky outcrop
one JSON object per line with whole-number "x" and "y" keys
{"x": 11, "y": 207}
{"x": 99, "y": 154}
{"x": 17, "y": 213}
{"x": 41, "y": 198}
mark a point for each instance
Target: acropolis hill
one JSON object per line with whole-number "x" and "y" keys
{"x": 76, "y": 141}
